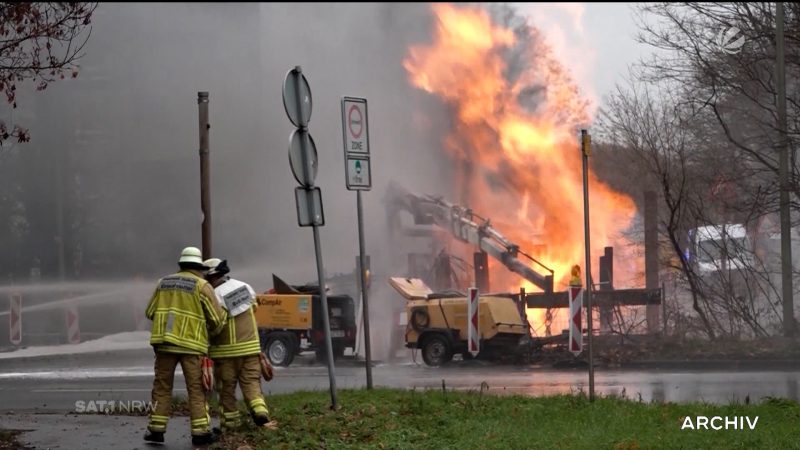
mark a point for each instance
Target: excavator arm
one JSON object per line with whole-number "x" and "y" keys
{"x": 470, "y": 228}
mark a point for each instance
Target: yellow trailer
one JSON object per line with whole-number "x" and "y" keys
{"x": 437, "y": 323}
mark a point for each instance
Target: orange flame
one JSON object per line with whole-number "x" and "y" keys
{"x": 516, "y": 135}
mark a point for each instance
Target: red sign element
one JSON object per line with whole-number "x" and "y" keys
{"x": 355, "y": 121}
{"x": 15, "y": 319}
{"x": 473, "y": 336}
{"x": 575, "y": 329}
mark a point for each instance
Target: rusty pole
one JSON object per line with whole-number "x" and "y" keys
{"x": 586, "y": 150}
{"x": 205, "y": 175}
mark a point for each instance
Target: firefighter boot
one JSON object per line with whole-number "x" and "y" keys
{"x": 204, "y": 439}
{"x": 154, "y": 436}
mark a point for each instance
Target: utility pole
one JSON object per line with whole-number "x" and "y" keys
{"x": 786, "y": 224}
{"x": 205, "y": 176}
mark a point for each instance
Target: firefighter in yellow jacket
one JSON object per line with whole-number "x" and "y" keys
{"x": 185, "y": 311}
{"x": 236, "y": 350}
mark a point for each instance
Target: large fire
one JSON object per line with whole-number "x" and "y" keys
{"x": 516, "y": 136}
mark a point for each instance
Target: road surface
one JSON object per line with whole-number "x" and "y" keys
{"x": 49, "y": 384}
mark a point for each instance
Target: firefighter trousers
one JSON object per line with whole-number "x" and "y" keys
{"x": 165, "y": 365}
{"x": 246, "y": 371}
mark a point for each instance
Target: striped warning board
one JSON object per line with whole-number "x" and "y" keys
{"x": 73, "y": 325}
{"x": 15, "y": 319}
{"x": 575, "y": 329}
{"x": 473, "y": 337}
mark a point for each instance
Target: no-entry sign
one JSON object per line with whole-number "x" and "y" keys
{"x": 356, "y": 131}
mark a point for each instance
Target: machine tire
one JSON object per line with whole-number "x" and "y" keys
{"x": 321, "y": 356}
{"x": 436, "y": 350}
{"x": 419, "y": 320}
{"x": 280, "y": 350}
{"x": 338, "y": 351}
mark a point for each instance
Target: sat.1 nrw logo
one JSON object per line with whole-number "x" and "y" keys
{"x": 728, "y": 42}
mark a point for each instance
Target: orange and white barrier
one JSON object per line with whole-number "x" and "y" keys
{"x": 473, "y": 337}
{"x": 15, "y": 319}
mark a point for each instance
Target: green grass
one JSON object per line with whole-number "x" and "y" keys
{"x": 399, "y": 419}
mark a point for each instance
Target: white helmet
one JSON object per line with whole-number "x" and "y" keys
{"x": 191, "y": 255}
{"x": 216, "y": 266}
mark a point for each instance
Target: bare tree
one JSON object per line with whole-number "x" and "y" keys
{"x": 721, "y": 57}
{"x": 658, "y": 138}
{"x": 40, "y": 42}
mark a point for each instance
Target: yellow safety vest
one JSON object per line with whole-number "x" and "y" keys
{"x": 184, "y": 310}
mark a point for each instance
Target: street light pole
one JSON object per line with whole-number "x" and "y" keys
{"x": 585, "y": 151}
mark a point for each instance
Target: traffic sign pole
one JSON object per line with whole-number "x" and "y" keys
{"x": 363, "y": 279}
{"x": 358, "y": 176}
{"x": 297, "y": 103}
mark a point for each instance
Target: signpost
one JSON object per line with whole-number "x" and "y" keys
{"x": 473, "y": 337}
{"x": 586, "y": 141}
{"x": 303, "y": 162}
{"x": 15, "y": 319}
{"x": 355, "y": 131}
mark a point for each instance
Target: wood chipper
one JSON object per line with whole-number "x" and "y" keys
{"x": 437, "y": 324}
{"x": 290, "y": 321}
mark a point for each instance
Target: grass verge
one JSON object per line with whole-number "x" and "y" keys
{"x": 401, "y": 419}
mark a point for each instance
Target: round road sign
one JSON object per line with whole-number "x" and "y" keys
{"x": 355, "y": 121}
{"x": 298, "y": 109}
{"x": 303, "y": 157}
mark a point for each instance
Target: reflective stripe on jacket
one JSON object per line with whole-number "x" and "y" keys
{"x": 184, "y": 310}
{"x": 239, "y": 336}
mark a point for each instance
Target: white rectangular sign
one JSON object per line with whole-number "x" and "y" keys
{"x": 359, "y": 177}
{"x": 355, "y": 125}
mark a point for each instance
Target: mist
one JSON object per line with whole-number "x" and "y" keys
{"x": 124, "y": 135}
{"x": 112, "y": 169}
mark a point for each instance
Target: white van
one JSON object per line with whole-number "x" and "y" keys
{"x": 721, "y": 247}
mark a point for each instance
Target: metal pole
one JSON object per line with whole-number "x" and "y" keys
{"x": 363, "y": 280}
{"x": 585, "y": 150}
{"x": 205, "y": 175}
{"x": 325, "y": 319}
{"x": 786, "y": 225}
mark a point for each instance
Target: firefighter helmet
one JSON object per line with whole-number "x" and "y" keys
{"x": 191, "y": 255}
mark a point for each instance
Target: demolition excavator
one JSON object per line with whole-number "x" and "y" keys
{"x": 437, "y": 321}
{"x": 468, "y": 227}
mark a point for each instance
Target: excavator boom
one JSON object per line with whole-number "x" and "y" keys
{"x": 461, "y": 223}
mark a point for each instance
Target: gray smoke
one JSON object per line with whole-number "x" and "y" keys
{"x": 124, "y": 137}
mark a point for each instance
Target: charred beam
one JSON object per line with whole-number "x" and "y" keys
{"x": 621, "y": 297}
